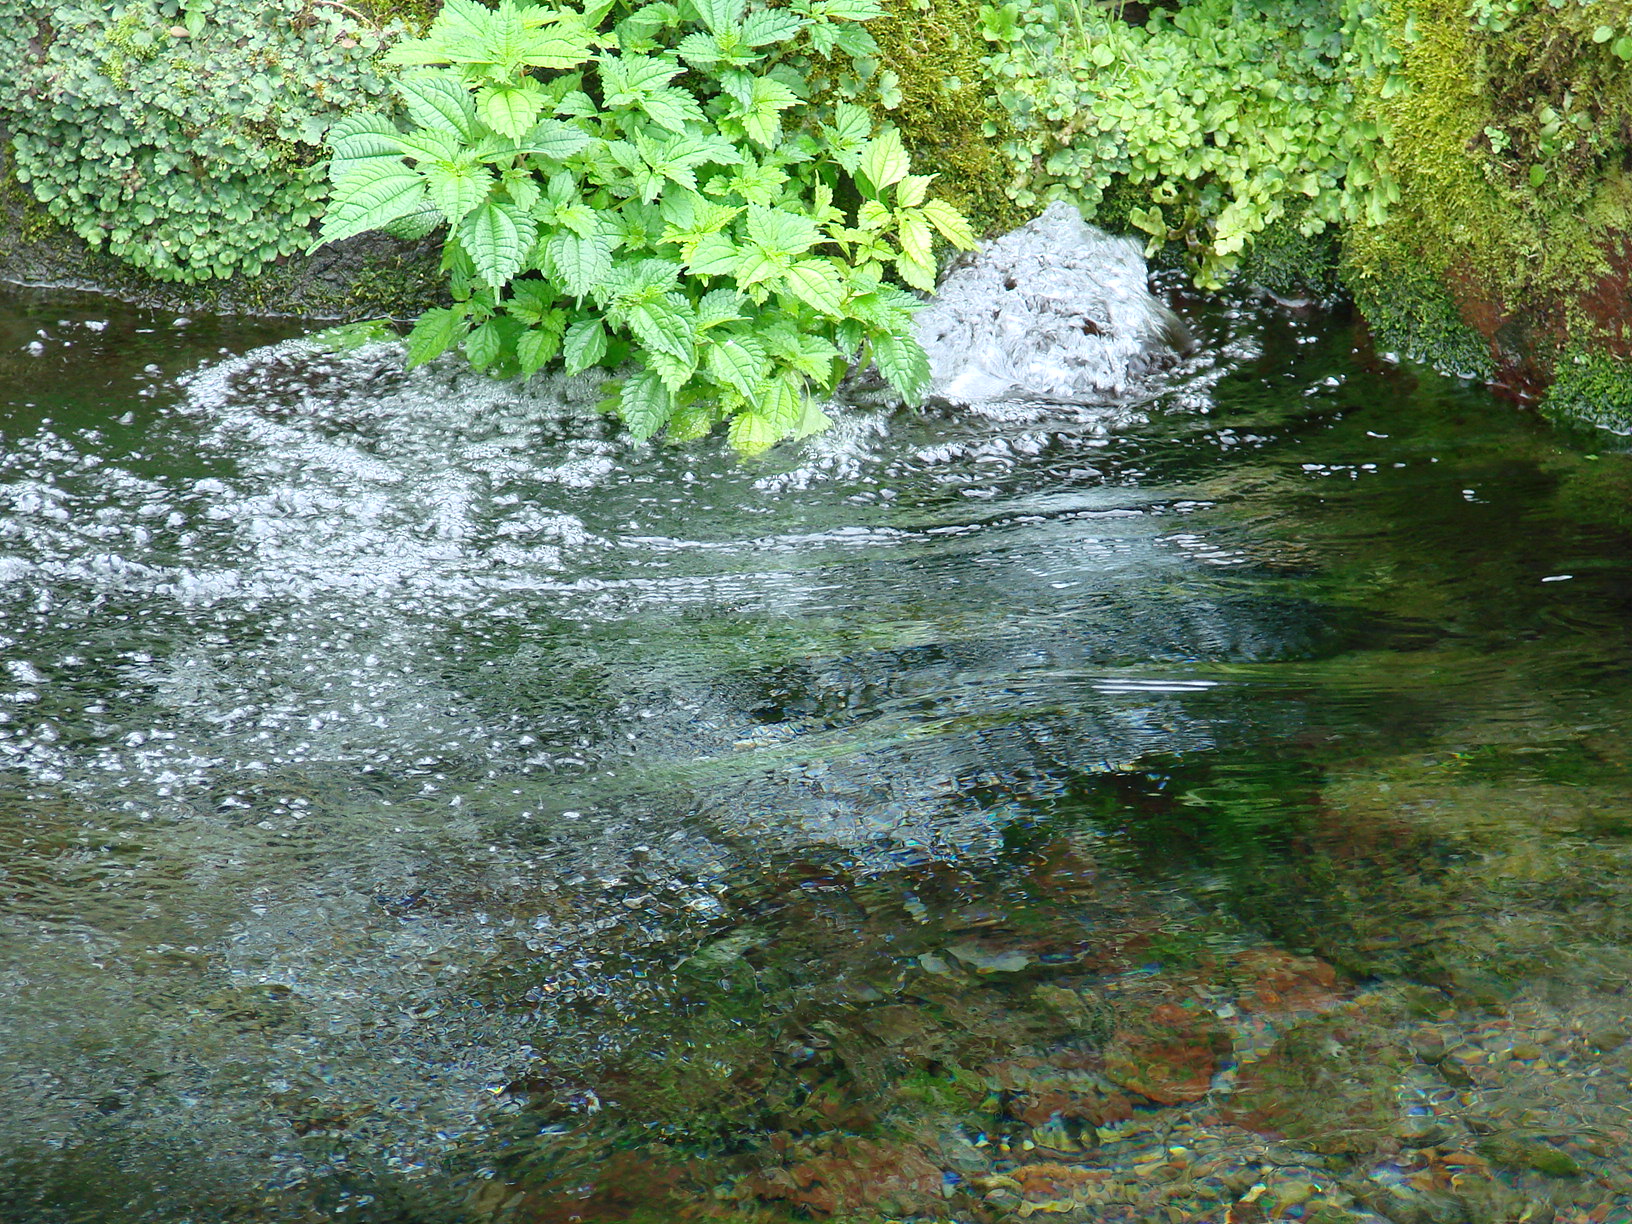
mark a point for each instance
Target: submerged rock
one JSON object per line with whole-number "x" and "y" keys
{"x": 1056, "y": 309}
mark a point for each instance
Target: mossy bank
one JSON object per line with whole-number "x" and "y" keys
{"x": 1460, "y": 170}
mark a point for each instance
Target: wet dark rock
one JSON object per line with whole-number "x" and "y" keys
{"x": 1529, "y": 1154}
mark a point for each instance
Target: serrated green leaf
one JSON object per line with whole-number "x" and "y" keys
{"x": 883, "y": 162}
{"x": 700, "y": 50}
{"x": 439, "y": 101}
{"x": 815, "y": 358}
{"x": 584, "y": 345}
{"x": 434, "y": 333}
{"x": 425, "y": 145}
{"x": 817, "y": 283}
{"x": 510, "y": 110}
{"x": 580, "y": 265}
{"x": 663, "y": 324}
{"x": 737, "y": 360}
{"x": 776, "y": 416}
{"x": 812, "y": 421}
{"x": 912, "y": 189}
{"x": 781, "y": 232}
{"x": 690, "y": 422}
{"x": 847, "y": 135}
{"x": 522, "y": 187}
{"x": 852, "y": 10}
{"x": 718, "y": 15}
{"x": 536, "y": 347}
{"x": 556, "y": 139}
{"x": 763, "y": 27}
{"x": 581, "y": 219}
{"x": 950, "y": 223}
{"x": 675, "y": 371}
{"x": 411, "y": 227}
{"x": 645, "y": 404}
{"x": 714, "y": 255}
{"x": 751, "y": 433}
{"x": 456, "y": 190}
{"x": 497, "y": 237}
{"x": 915, "y": 272}
{"x": 484, "y": 344}
{"x": 671, "y": 108}
{"x": 357, "y": 142}
{"x": 756, "y": 266}
{"x": 719, "y": 306}
{"x": 902, "y": 361}
{"x": 565, "y": 46}
{"x": 625, "y": 80}
{"x": 917, "y": 240}
{"x": 372, "y": 201}
{"x": 533, "y": 302}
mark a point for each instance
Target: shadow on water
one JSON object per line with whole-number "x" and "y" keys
{"x": 419, "y": 806}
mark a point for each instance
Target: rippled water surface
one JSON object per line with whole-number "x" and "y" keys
{"x": 419, "y": 805}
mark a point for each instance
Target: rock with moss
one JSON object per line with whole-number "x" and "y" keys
{"x": 168, "y": 154}
{"x": 1591, "y": 388}
{"x": 932, "y": 85}
{"x": 1507, "y": 128}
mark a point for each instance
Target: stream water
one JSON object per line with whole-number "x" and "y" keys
{"x": 419, "y": 805}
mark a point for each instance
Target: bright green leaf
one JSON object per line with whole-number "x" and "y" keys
{"x": 645, "y": 404}
{"x": 436, "y": 331}
{"x": 584, "y": 345}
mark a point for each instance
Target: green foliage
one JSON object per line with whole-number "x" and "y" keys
{"x": 1510, "y": 134}
{"x": 650, "y": 186}
{"x": 929, "y": 80}
{"x": 1291, "y": 262}
{"x": 1591, "y": 388}
{"x": 1408, "y": 307}
{"x": 1230, "y": 116}
{"x": 181, "y": 134}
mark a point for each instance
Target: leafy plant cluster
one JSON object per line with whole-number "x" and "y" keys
{"x": 183, "y": 135}
{"x": 1229, "y": 116}
{"x": 652, "y": 186}
{"x": 1561, "y": 95}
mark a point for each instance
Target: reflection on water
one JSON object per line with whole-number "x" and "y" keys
{"x": 416, "y": 804}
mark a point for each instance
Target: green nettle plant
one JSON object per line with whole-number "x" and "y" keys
{"x": 660, "y": 193}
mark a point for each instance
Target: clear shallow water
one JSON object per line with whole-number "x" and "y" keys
{"x": 417, "y": 804}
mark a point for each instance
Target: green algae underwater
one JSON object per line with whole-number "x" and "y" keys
{"x": 419, "y": 805}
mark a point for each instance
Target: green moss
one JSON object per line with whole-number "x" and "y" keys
{"x": 416, "y": 14}
{"x": 1520, "y": 1155}
{"x": 1290, "y": 263}
{"x": 1591, "y": 388}
{"x": 1509, "y": 189}
{"x": 946, "y": 114}
{"x": 1407, "y": 306}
